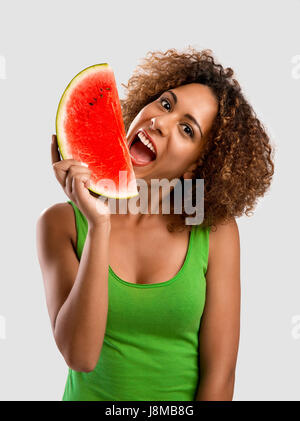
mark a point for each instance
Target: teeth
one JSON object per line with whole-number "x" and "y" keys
{"x": 146, "y": 141}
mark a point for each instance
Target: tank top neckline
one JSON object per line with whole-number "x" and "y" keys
{"x": 164, "y": 283}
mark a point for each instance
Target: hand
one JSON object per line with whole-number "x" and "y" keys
{"x": 75, "y": 180}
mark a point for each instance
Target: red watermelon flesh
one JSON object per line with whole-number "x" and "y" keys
{"x": 90, "y": 128}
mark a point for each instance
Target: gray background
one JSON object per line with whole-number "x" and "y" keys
{"x": 43, "y": 44}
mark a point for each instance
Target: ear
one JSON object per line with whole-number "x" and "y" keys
{"x": 189, "y": 171}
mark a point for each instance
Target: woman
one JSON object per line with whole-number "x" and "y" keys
{"x": 143, "y": 306}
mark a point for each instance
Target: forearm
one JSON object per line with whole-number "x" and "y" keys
{"x": 215, "y": 389}
{"x": 81, "y": 322}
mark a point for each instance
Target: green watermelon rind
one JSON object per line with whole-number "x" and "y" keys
{"x": 58, "y": 119}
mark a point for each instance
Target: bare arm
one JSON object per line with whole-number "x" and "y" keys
{"x": 220, "y": 324}
{"x": 76, "y": 293}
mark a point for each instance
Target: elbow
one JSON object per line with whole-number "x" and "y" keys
{"x": 216, "y": 387}
{"x": 81, "y": 366}
{"x": 78, "y": 360}
{"x": 76, "y": 355}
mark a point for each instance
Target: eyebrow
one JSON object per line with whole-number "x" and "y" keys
{"x": 189, "y": 116}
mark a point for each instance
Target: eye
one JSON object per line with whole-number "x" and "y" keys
{"x": 164, "y": 100}
{"x": 190, "y": 131}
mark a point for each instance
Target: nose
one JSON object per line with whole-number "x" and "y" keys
{"x": 160, "y": 124}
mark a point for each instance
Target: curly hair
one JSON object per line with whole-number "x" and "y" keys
{"x": 236, "y": 158}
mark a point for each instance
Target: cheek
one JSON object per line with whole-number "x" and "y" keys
{"x": 183, "y": 157}
{"x": 179, "y": 160}
{"x": 183, "y": 151}
{"x": 142, "y": 116}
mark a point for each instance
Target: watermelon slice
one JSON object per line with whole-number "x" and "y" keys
{"x": 90, "y": 129}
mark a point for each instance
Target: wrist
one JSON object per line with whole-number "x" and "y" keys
{"x": 101, "y": 225}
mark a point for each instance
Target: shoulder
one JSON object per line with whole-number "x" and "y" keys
{"x": 224, "y": 242}
{"x": 59, "y": 217}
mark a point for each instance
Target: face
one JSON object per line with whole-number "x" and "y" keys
{"x": 176, "y": 125}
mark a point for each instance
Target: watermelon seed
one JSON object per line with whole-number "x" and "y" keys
{"x": 91, "y": 103}
{"x": 101, "y": 96}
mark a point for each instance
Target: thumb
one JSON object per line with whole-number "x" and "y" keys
{"x": 80, "y": 185}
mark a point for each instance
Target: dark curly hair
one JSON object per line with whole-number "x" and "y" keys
{"x": 236, "y": 158}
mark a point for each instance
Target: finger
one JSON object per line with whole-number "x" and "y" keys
{"x": 54, "y": 150}
{"x": 80, "y": 184}
{"x": 78, "y": 169}
{"x": 102, "y": 205}
{"x": 68, "y": 184}
{"x": 75, "y": 171}
{"x": 62, "y": 168}
{"x": 65, "y": 164}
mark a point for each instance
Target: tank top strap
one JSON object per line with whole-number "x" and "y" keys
{"x": 200, "y": 247}
{"x": 81, "y": 228}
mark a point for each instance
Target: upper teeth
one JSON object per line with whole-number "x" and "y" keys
{"x": 146, "y": 141}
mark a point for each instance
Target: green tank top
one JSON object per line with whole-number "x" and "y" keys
{"x": 150, "y": 350}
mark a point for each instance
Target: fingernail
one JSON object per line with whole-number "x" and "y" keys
{"x": 84, "y": 164}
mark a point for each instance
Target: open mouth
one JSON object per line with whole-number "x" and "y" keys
{"x": 142, "y": 150}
